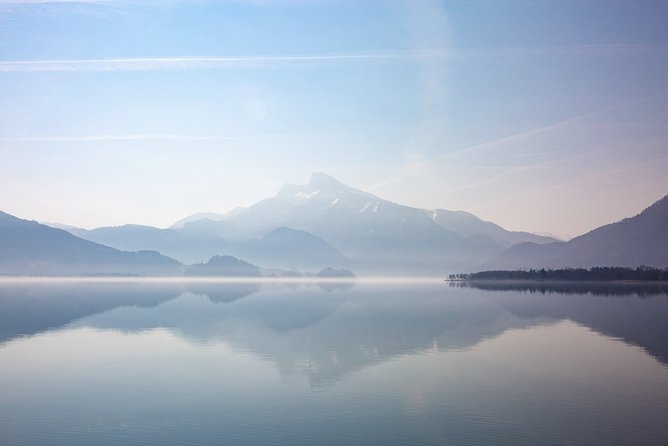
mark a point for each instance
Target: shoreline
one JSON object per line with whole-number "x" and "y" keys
{"x": 221, "y": 280}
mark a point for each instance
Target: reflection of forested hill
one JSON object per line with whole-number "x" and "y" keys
{"x": 223, "y": 294}
{"x": 636, "y": 313}
{"x": 592, "y": 288}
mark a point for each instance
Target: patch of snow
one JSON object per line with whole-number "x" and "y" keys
{"x": 306, "y": 196}
{"x": 334, "y": 203}
{"x": 376, "y": 207}
{"x": 366, "y": 206}
{"x": 434, "y": 215}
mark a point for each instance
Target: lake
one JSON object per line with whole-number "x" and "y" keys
{"x": 374, "y": 363}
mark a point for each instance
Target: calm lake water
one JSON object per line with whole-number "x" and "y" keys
{"x": 369, "y": 364}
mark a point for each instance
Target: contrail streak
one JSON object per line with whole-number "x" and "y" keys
{"x": 142, "y": 137}
{"x": 552, "y": 126}
{"x": 28, "y": 2}
{"x": 172, "y": 63}
{"x": 255, "y": 62}
{"x": 529, "y": 133}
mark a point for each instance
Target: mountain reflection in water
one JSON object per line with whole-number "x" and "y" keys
{"x": 383, "y": 364}
{"x": 336, "y": 331}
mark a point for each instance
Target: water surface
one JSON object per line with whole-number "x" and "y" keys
{"x": 290, "y": 364}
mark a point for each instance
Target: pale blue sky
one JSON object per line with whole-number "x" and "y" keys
{"x": 549, "y": 116}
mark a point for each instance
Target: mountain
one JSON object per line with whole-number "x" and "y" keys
{"x": 375, "y": 234}
{"x": 198, "y": 216}
{"x": 335, "y": 273}
{"x": 185, "y": 246}
{"x": 28, "y": 247}
{"x": 226, "y": 266}
{"x": 280, "y": 248}
{"x": 325, "y": 224}
{"x": 635, "y": 241}
{"x": 291, "y": 249}
{"x": 467, "y": 224}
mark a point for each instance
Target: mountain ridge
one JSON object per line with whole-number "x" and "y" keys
{"x": 326, "y": 223}
{"x": 631, "y": 242}
{"x": 29, "y": 247}
{"x": 375, "y": 234}
{"x": 357, "y": 229}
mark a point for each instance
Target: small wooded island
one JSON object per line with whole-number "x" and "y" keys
{"x": 597, "y": 274}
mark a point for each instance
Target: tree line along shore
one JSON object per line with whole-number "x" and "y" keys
{"x": 596, "y": 274}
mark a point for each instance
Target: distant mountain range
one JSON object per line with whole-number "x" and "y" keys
{"x": 224, "y": 266}
{"x": 280, "y": 248}
{"x": 468, "y": 225}
{"x": 327, "y": 224}
{"x": 374, "y": 235}
{"x": 290, "y": 249}
{"x": 186, "y": 246}
{"x": 635, "y": 241}
{"x": 28, "y": 247}
{"x": 324, "y": 224}
{"x": 31, "y": 248}
{"x": 198, "y": 216}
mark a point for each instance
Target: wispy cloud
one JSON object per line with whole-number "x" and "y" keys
{"x": 527, "y": 134}
{"x": 28, "y": 2}
{"x": 553, "y": 126}
{"x": 145, "y": 137}
{"x": 196, "y": 62}
{"x": 250, "y": 2}
{"x": 561, "y": 50}
{"x": 267, "y": 62}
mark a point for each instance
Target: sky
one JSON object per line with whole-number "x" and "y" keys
{"x": 548, "y": 116}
